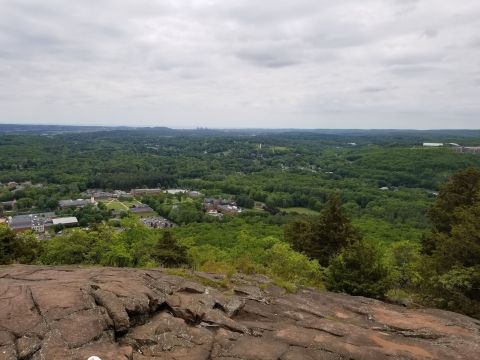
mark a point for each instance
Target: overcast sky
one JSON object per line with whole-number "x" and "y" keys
{"x": 235, "y": 64}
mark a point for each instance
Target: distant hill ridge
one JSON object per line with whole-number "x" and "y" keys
{"x": 52, "y": 129}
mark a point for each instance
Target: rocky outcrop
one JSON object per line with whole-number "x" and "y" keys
{"x": 49, "y": 313}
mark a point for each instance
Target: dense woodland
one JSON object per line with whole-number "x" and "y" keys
{"x": 365, "y": 212}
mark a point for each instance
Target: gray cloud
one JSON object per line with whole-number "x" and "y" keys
{"x": 237, "y": 63}
{"x": 374, "y": 89}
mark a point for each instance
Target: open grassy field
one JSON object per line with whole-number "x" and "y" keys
{"x": 118, "y": 205}
{"x": 300, "y": 210}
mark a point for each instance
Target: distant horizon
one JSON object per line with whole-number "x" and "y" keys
{"x": 231, "y": 128}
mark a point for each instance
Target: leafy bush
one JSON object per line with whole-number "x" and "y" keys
{"x": 456, "y": 289}
{"x": 72, "y": 248}
{"x": 404, "y": 257}
{"x": 22, "y": 248}
{"x": 291, "y": 266}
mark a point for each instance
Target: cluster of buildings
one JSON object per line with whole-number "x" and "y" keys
{"x": 220, "y": 207}
{"x": 91, "y": 195}
{"x": 143, "y": 192}
{"x": 157, "y": 191}
{"x": 39, "y": 223}
{"x": 105, "y": 195}
{"x": 468, "y": 149}
{"x": 66, "y": 204}
{"x": 458, "y": 148}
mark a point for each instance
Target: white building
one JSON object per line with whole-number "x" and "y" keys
{"x": 71, "y": 220}
{"x": 176, "y": 191}
{"x": 432, "y": 144}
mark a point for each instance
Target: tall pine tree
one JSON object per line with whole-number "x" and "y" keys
{"x": 324, "y": 236}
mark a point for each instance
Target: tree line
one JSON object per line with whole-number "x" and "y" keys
{"x": 443, "y": 270}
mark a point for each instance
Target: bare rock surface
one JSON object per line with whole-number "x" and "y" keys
{"x": 49, "y": 313}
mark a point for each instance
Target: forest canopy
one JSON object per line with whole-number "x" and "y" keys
{"x": 369, "y": 214}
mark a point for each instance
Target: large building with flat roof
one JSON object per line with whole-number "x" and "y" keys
{"x": 433, "y": 144}
{"x": 468, "y": 149}
{"x": 140, "y": 192}
{"x": 35, "y": 222}
{"x": 71, "y": 220}
{"x": 39, "y": 222}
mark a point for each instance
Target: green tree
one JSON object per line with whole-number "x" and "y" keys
{"x": 461, "y": 191}
{"x": 245, "y": 201}
{"x": 117, "y": 254}
{"x": 451, "y": 264}
{"x": 168, "y": 252}
{"x": 324, "y": 236}
{"x": 404, "y": 257}
{"x": 7, "y": 245}
{"x": 25, "y": 203}
{"x": 138, "y": 240}
{"x": 28, "y": 248}
{"x": 68, "y": 249}
{"x": 185, "y": 213}
{"x": 300, "y": 234}
{"x": 22, "y": 248}
{"x": 359, "y": 270}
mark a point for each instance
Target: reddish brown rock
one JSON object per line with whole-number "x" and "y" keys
{"x": 83, "y": 327}
{"x": 53, "y": 348}
{"x": 54, "y": 303}
{"x": 27, "y": 346}
{"x": 6, "y": 338}
{"x": 20, "y": 313}
{"x": 192, "y": 287}
{"x": 103, "y": 350}
{"x": 256, "y": 348}
{"x": 49, "y": 313}
{"x": 8, "y": 352}
{"x": 114, "y": 307}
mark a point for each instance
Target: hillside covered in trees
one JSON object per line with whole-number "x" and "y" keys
{"x": 367, "y": 213}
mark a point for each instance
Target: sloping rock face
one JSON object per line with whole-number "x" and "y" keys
{"x": 49, "y": 313}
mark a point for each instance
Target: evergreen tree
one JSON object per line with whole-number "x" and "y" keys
{"x": 168, "y": 252}
{"x": 299, "y": 234}
{"x": 324, "y": 236}
{"x": 359, "y": 270}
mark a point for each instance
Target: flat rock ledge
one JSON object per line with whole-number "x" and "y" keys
{"x": 49, "y": 313}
